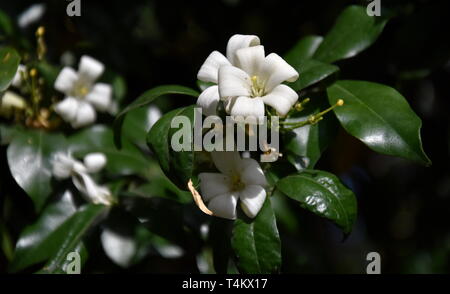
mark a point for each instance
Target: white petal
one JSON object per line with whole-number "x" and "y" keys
{"x": 67, "y": 108}
{"x": 62, "y": 165}
{"x": 276, "y": 70}
{"x": 226, "y": 162}
{"x": 251, "y": 172}
{"x": 120, "y": 248}
{"x": 252, "y": 199}
{"x": 210, "y": 68}
{"x": 237, "y": 42}
{"x": 94, "y": 162}
{"x": 208, "y": 100}
{"x": 94, "y": 193}
{"x": 213, "y": 184}
{"x": 248, "y": 107}
{"x": 100, "y": 96}
{"x": 90, "y": 69}
{"x": 250, "y": 59}
{"x": 224, "y": 205}
{"x": 153, "y": 115}
{"x": 31, "y": 15}
{"x": 282, "y": 98}
{"x": 17, "y": 80}
{"x": 85, "y": 115}
{"x": 66, "y": 80}
{"x": 233, "y": 82}
{"x": 12, "y": 100}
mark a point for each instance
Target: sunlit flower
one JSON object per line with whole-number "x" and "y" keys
{"x": 240, "y": 179}
{"x": 246, "y": 80}
{"x": 65, "y": 166}
{"x": 83, "y": 95}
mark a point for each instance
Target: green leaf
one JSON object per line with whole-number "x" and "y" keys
{"x": 29, "y": 159}
{"x": 311, "y": 72}
{"x": 311, "y": 140}
{"x": 304, "y": 49}
{"x": 6, "y": 25}
{"x": 177, "y": 166}
{"x": 69, "y": 235}
{"x": 219, "y": 237}
{"x": 145, "y": 99}
{"x": 353, "y": 32}
{"x": 32, "y": 245}
{"x": 380, "y": 117}
{"x": 256, "y": 243}
{"x": 323, "y": 194}
{"x": 99, "y": 138}
{"x": 9, "y": 62}
{"x": 136, "y": 126}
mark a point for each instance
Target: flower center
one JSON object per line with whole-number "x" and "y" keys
{"x": 80, "y": 89}
{"x": 236, "y": 183}
{"x": 257, "y": 89}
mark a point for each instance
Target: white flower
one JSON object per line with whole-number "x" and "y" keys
{"x": 240, "y": 179}
{"x": 246, "y": 80}
{"x": 17, "y": 80}
{"x": 65, "y": 166}
{"x": 83, "y": 95}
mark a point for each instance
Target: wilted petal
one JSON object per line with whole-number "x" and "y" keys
{"x": 233, "y": 82}
{"x": 252, "y": 199}
{"x": 248, "y": 108}
{"x": 276, "y": 70}
{"x": 66, "y": 80}
{"x": 17, "y": 80}
{"x": 282, "y": 98}
{"x": 227, "y": 162}
{"x": 67, "y": 108}
{"x": 90, "y": 69}
{"x": 213, "y": 184}
{"x": 251, "y": 172}
{"x": 94, "y": 162}
{"x": 224, "y": 205}
{"x": 85, "y": 115}
{"x": 100, "y": 96}
{"x": 210, "y": 68}
{"x": 237, "y": 42}
{"x": 208, "y": 100}
{"x": 250, "y": 59}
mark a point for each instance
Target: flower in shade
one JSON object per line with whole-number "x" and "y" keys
{"x": 65, "y": 166}
{"x": 240, "y": 179}
{"x": 246, "y": 80}
{"x": 83, "y": 95}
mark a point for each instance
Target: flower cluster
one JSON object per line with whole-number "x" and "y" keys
{"x": 245, "y": 81}
{"x": 65, "y": 166}
{"x": 83, "y": 95}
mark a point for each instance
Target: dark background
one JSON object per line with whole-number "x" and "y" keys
{"x": 404, "y": 208}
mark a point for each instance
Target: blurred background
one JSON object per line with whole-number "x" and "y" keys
{"x": 404, "y": 208}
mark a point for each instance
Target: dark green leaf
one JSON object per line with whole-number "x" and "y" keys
{"x": 312, "y": 71}
{"x": 29, "y": 159}
{"x": 219, "y": 237}
{"x": 304, "y": 49}
{"x": 9, "y": 62}
{"x": 99, "y": 138}
{"x": 256, "y": 243}
{"x": 145, "y": 99}
{"x": 323, "y": 194}
{"x": 311, "y": 140}
{"x": 380, "y": 117}
{"x": 177, "y": 166}
{"x": 6, "y": 25}
{"x": 352, "y": 33}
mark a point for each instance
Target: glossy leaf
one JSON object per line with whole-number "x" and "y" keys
{"x": 177, "y": 166}
{"x": 353, "y": 32}
{"x": 323, "y": 194}
{"x": 146, "y": 99}
{"x": 29, "y": 159}
{"x": 9, "y": 62}
{"x": 32, "y": 245}
{"x": 99, "y": 138}
{"x": 304, "y": 49}
{"x": 311, "y": 72}
{"x": 380, "y": 117}
{"x": 256, "y": 242}
{"x": 311, "y": 140}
